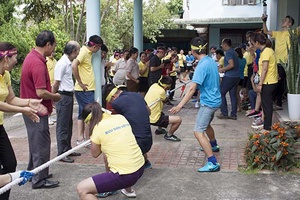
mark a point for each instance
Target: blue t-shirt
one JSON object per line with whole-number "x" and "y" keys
{"x": 242, "y": 64}
{"x": 189, "y": 58}
{"x": 207, "y": 77}
{"x": 257, "y": 51}
{"x": 133, "y": 107}
{"x": 235, "y": 71}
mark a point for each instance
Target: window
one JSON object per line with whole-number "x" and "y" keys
{"x": 240, "y": 2}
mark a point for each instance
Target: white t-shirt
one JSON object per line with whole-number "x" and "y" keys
{"x": 63, "y": 73}
{"x": 120, "y": 68}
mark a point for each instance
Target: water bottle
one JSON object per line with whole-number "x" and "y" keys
{"x": 264, "y": 8}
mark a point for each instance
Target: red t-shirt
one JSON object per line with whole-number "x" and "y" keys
{"x": 35, "y": 76}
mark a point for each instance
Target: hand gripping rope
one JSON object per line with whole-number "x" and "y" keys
{"x": 26, "y": 175}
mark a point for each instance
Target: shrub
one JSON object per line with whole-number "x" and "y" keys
{"x": 273, "y": 149}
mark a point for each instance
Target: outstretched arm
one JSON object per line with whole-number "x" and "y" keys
{"x": 265, "y": 28}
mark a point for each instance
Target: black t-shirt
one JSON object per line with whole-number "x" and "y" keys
{"x": 133, "y": 107}
{"x": 155, "y": 61}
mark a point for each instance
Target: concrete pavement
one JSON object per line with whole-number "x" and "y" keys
{"x": 174, "y": 174}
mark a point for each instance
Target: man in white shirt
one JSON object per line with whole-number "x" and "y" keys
{"x": 64, "y": 85}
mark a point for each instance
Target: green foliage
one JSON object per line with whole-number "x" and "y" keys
{"x": 175, "y": 7}
{"x": 293, "y": 66}
{"x": 7, "y": 8}
{"x": 273, "y": 149}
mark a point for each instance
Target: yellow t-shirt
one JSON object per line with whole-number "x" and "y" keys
{"x": 249, "y": 60}
{"x": 4, "y": 83}
{"x": 221, "y": 61}
{"x": 155, "y": 92}
{"x": 282, "y": 44}
{"x": 51, "y": 62}
{"x": 181, "y": 60}
{"x": 143, "y": 66}
{"x": 118, "y": 143}
{"x": 85, "y": 69}
{"x": 272, "y": 74}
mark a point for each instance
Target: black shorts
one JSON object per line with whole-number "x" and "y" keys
{"x": 182, "y": 69}
{"x": 163, "y": 121}
{"x": 144, "y": 144}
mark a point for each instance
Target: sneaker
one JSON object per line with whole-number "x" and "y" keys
{"x": 197, "y": 104}
{"x": 231, "y": 117}
{"x": 147, "y": 165}
{"x": 214, "y": 149}
{"x": 78, "y": 142}
{"x": 172, "y": 138}
{"x": 248, "y": 112}
{"x": 258, "y": 122}
{"x": 253, "y": 114}
{"x": 221, "y": 116}
{"x": 210, "y": 167}
{"x": 106, "y": 194}
{"x": 169, "y": 103}
{"x": 131, "y": 194}
{"x": 163, "y": 131}
{"x": 278, "y": 108}
{"x": 257, "y": 127}
{"x": 172, "y": 99}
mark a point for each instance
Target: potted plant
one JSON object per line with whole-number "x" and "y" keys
{"x": 293, "y": 78}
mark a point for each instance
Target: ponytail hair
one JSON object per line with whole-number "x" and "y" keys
{"x": 92, "y": 114}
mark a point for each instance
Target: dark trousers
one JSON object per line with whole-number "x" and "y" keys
{"x": 7, "y": 158}
{"x": 39, "y": 147}
{"x": 267, "y": 93}
{"x": 229, "y": 84}
{"x": 64, "y": 123}
{"x": 172, "y": 87}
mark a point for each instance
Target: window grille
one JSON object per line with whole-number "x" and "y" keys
{"x": 240, "y": 2}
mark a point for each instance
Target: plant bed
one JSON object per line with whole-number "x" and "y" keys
{"x": 274, "y": 150}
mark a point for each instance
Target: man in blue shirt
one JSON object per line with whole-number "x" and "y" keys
{"x": 230, "y": 80}
{"x": 206, "y": 76}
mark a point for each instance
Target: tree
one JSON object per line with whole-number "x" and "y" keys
{"x": 7, "y": 8}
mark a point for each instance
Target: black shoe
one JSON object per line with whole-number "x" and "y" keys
{"x": 169, "y": 103}
{"x": 67, "y": 159}
{"x": 47, "y": 184}
{"x": 75, "y": 154}
{"x": 49, "y": 176}
{"x": 158, "y": 132}
{"x": 232, "y": 117}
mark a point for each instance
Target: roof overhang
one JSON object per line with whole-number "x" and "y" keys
{"x": 206, "y": 21}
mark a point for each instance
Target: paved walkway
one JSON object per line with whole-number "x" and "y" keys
{"x": 174, "y": 174}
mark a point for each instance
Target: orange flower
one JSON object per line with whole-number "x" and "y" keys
{"x": 257, "y": 136}
{"x": 266, "y": 132}
{"x": 276, "y": 126}
{"x": 285, "y": 144}
{"x": 285, "y": 152}
{"x": 273, "y": 158}
{"x": 256, "y": 143}
{"x": 266, "y": 140}
{"x": 256, "y": 159}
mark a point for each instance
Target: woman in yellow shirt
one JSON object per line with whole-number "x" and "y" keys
{"x": 112, "y": 135}
{"x": 268, "y": 76}
{"x": 10, "y": 103}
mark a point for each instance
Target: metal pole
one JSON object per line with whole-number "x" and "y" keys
{"x": 138, "y": 25}
{"x": 93, "y": 28}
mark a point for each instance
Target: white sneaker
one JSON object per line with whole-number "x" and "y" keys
{"x": 197, "y": 104}
{"x": 131, "y": 194}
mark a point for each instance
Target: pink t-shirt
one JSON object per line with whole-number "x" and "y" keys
{"x": 35, "y": 76}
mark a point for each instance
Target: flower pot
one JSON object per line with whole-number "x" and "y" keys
{"x": 294, "y": 106}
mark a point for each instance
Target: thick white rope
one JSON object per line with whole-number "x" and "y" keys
{"x": 43, "y": 166}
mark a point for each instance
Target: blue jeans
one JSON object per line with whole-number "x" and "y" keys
{"x": 83, "y": 98}
{"x": 252, "y": 99}
{"x": 229, "y": 84}
{"x": 204, "y": 117}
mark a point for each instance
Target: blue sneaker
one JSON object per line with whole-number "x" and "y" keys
{"x": 214, "y": 149}
{"x": 147, "y": 165}
{"x": 106, "y": 194}
{"x": 210, "y": 167}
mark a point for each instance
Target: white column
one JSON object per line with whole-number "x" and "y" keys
{"x": 138, "y": 25}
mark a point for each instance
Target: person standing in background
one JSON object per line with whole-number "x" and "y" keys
{"x": 85, "y": 81}
{"x": 51, "y": 62}
{"x": 132, "y": 71}
{"x": 144, "y": 71}
{"x": 64, "y": 85}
